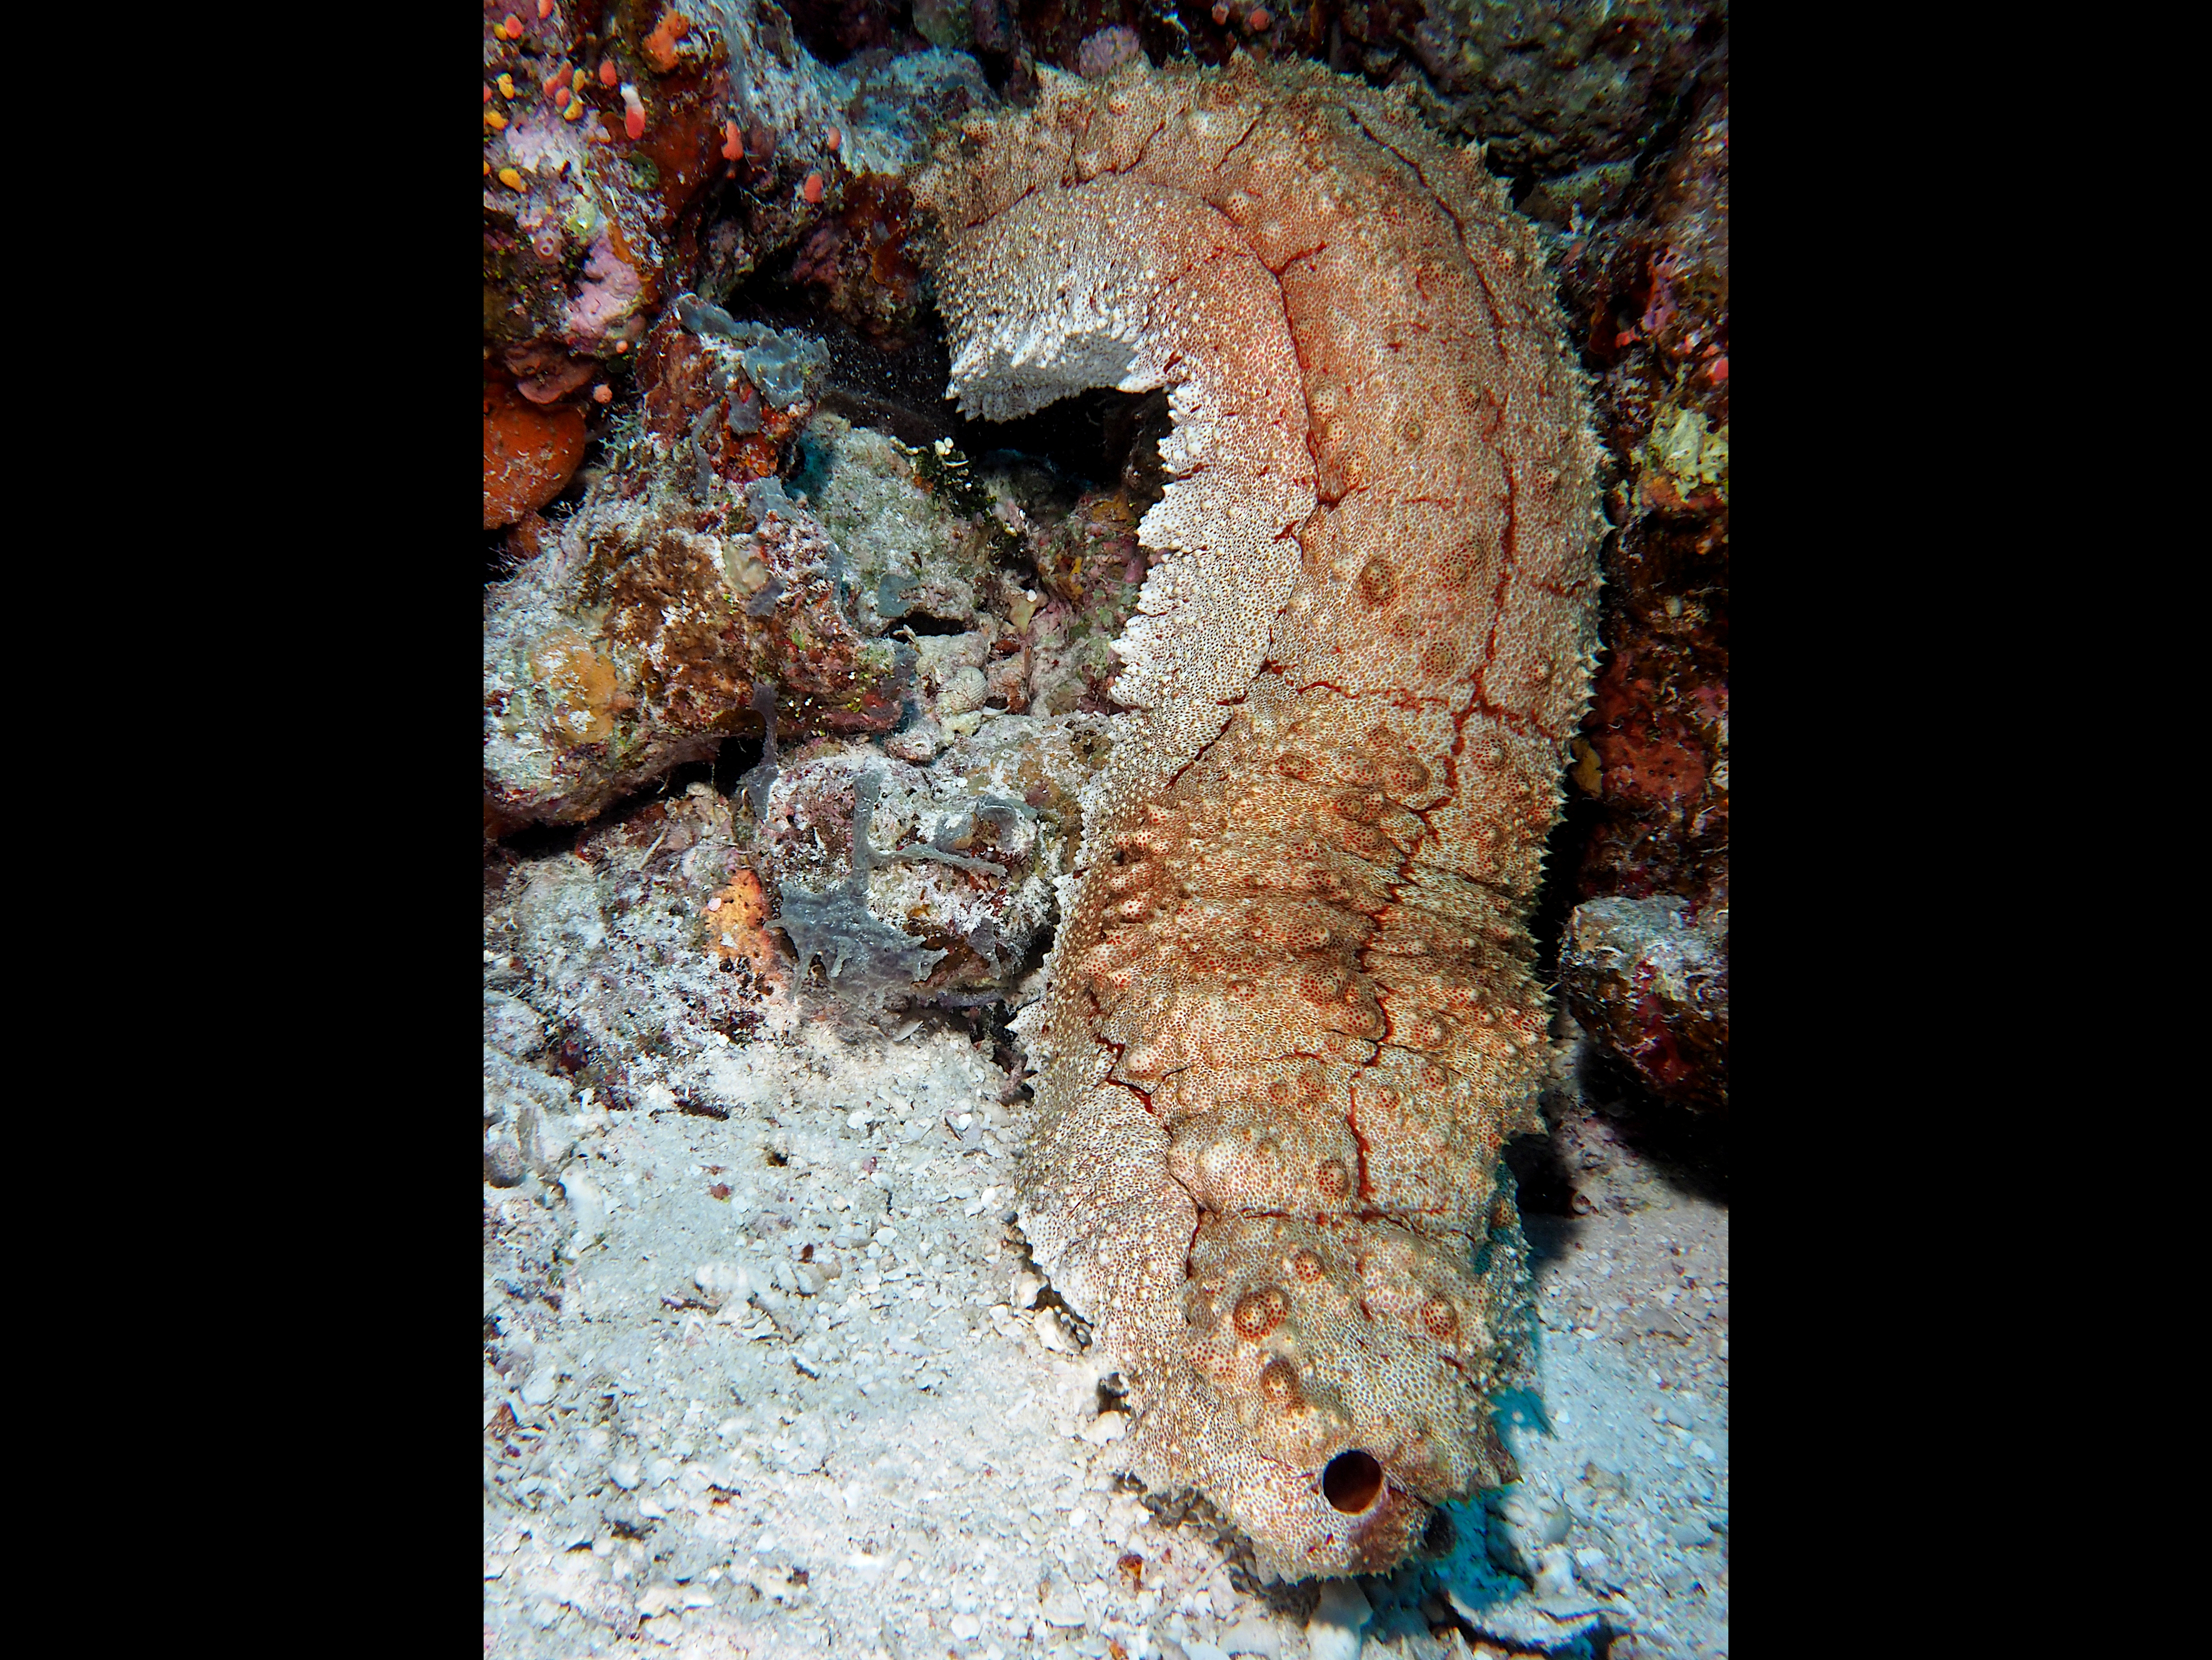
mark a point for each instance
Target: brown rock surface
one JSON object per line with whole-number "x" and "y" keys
{"x": 1292, "y": 1016}
{"x": 652, "y": 628}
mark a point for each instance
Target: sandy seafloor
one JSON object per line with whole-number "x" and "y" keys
{"x": 765, "y": 1375}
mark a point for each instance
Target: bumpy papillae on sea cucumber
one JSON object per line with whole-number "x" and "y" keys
{"x": 1291, "y": 1016}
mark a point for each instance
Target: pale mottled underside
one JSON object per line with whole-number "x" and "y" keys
{"x": 1291, "y": 1018}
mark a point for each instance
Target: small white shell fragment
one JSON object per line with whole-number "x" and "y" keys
{"x": 1334, "y": 1632}
{"x": 722, "y": 1281}
{"x": 1107, "y": 1426}
{"x": 1253, "y": 1635}
{"x": 1063, "y": 1607}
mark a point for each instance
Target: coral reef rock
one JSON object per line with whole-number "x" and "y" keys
{"x": 655, "y": 626}
{"x": 530, "y": 453}
{"x": 1292, "y": 1015}
{"x": 627, "y": 964}
{"x": 1552, "y": 86}
{"x": 1658, "y": 982}
{"x": 605, "y": 131}
{"x": 900, "y": 885}
{"x": 1649, "y": 288}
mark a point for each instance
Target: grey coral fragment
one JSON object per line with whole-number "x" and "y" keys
{"x": 701, "y": 318}
{"x": 838, "y": 927}
{"x": 778, "y": 363}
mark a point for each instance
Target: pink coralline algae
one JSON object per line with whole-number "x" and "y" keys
{"x": 1105, "y": 51}
{"x": 608, "y": 293}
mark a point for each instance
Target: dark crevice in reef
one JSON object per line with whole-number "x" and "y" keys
{"x": 720, "y": 773}
{"x": 1688, "y": 1149}
{"x": 895, "y": 383}
{"x": 537, "y": 841}
{"x": 920, "y": 623}
{"x": 900, "y": 390}
{"x": 1538, "y": 1165}
{"x": 1103, "y": 437}
{"x": 737, "y": 755}
{"x": 1555, "y": 897}
{"x": 1006, "y": 1052}
{"x": 838, "y": 31}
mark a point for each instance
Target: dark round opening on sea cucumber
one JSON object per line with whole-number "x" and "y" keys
{"x": 1353, "y": 1482}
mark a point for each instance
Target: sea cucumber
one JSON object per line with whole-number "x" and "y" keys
{"x": 1292, "y": 1016}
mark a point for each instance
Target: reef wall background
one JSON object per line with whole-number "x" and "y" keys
{"x": 723, "y": 497}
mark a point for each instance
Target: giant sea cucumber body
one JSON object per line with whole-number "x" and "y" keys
{"x": 1291, "y": 1016}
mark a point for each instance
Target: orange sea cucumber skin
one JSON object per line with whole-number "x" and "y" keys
{"x": 1291, "y": 1016}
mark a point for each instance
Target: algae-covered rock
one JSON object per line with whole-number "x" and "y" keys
{"x": 630, "y": 946}
{"x": 922, "y": 551}
{"x": 890, "y": 589}
{"x": 640, "y": 638}
{"x": 1650, "y": 977}
{"x": 945, "y": 890}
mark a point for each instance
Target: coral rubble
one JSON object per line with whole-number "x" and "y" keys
{"x": 901, "y": 882}
{"x": 1292, "y": 1016}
